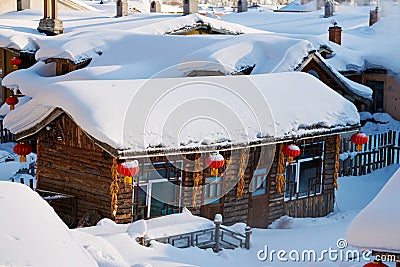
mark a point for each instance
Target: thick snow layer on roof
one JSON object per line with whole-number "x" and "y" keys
{"x": 362, "y": 46}
{"x": 357, "y": 88}
{"x": 114, "y": 56}
{"x": 190, "y": 112}
{"x": 370, "y": 47}
{"x": 5, "y": 108}
{"x": 29, "y": 227}
{"x": 382, "y": 213}
{"x": 179, "y": 23}
{"x": 268, "y": 53}
{"x": 296, "y": 5}
{"x": 19, "y": 29}
{"x": 299, "y": 23}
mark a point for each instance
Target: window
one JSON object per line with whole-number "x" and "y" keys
{"x": 304, "y": 176}
{"x": 313, "y": 73}
{"x": 213, "y": 189}
{"x": 377, "y": 88}
{"x": 157, "y": 190}
{"x": 258, "y": 184}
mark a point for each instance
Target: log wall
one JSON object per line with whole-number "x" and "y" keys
{"x": 68, "y": 162}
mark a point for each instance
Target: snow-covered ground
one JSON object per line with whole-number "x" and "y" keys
{"x": 32, "y": 235}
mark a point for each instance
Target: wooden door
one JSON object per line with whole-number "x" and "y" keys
{"x": 258, "y": 212}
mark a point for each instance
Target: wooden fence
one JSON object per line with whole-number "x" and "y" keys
{"x": 5, "y": 135}
{"x": 381, "y": 150}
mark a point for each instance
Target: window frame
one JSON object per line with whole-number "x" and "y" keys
{"x": 143, "y": 211}
{"x": 259, "y": 187}
{"x": 218, "y": 184}
{"x": 290, "y": 194}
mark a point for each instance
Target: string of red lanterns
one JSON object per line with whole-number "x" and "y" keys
{"x": 214, "y": 161}
{"x": 22, "y": 149}
{"x": 128, "y": 170}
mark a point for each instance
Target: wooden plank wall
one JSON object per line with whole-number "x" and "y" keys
{"x": 68, "y": 162}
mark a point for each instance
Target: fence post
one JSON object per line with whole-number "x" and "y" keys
{"x": 217, "y": 222}
{"x": 247, "y": 231}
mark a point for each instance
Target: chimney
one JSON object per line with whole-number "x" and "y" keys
{"x": 23, "y": 4}
{"x": 155, "y": 7}
{"x": 373, "y": 16}
{"x": 50, "y": 24}
{"x": 328, "y": 9}
{"x": 335, "y": 34}
{"x": 190, "y": 7}
{"x": 122, "y": 8}
{"x": 242, "y": 6}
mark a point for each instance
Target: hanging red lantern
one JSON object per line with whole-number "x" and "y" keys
{"x": 291, "y": 151}
{"x": 375, "y": 264}
{"x": 128, "y": 169}
{"x": 214, "y": 161}
{"x": 15, "y": 61}
{"x": 12, "y": 101}
{"x": 22, "y": 149}
{"x": 359, "y": 139}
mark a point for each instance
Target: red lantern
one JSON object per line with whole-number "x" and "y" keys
{"x": 128, "y": 169}
{"x": 214, "y": 161}
{"x": 291, "y": 151}
{"x": 22, "y": 149}
{"x": 15, "y": 61}
{"x": 375, "y": 264}
{"x": 359, "y": 139}
{"x": 12, "y": 101}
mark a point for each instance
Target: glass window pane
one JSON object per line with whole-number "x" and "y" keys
{"x": 308, "y": 170}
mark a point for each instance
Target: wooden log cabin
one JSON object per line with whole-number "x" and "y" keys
{"x": 77, "y": 159}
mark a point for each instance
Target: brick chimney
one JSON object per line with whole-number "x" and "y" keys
{"x": 242, "y": 6}
{"x": 50, "y": 24}
{"x": 190, "y": 7}
{"x": 155, "y": 7}
{"x": 373, "y": 16}
{"x": 328, "y": 9}
{"x": 335, "y": 34}
{"x": 23, "y": 4}
{"x": 122, "y": 8}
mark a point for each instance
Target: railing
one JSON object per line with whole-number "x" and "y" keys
{"x": 216, "y": 238}
{"x": 50, "y": 197}
{"x": 381, "y": 150}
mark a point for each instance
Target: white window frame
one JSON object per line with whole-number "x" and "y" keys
{"x": 297, "y": 164}
{"x": 150, "y": 182}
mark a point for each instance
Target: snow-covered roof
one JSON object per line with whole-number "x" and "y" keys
{"x": 376, "y": 227}
{"x": 175, "y": 113}
{"x": 19, "y": 29}
{"x": 120, "y": 46}
{"x": 362, "y": 46}
{"x": 297, "y": 6}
